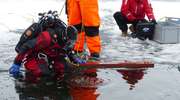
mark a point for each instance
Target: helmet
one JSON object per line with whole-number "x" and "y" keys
{"x": 48, "y": 19}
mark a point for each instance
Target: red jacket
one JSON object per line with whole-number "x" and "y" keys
{"x": 137, "y": 9}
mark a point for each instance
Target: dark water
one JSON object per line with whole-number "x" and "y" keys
{"x": 159, "y": 83}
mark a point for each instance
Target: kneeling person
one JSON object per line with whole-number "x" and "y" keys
{"x": 133, "y": 12}
{"x": 48, "y": 44}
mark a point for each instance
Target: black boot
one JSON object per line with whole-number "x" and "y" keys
{"x": 94, "y": 57}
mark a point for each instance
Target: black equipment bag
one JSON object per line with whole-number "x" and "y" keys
{"x": 145, "y": 30}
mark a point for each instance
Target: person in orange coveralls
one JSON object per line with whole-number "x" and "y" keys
{"x": 132, "y": 12}
{"x": 83, "y": 14}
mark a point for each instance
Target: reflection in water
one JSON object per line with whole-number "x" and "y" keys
{"x": 84, "y": 87}
{"x": 47, "y": 88}
{"x": 41, "y": 91}
{"x": 83, "y": 93}
{"x": 132, "y": 76}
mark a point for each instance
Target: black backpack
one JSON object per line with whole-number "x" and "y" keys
{"x": 145, "y": 30}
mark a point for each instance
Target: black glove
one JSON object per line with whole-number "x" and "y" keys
{"x": 153, "y": 21}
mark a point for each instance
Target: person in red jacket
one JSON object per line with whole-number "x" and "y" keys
{"x": 132, "y": 12}
{"x": 44, "y": 47}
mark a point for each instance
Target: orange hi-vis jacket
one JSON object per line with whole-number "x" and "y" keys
{"x": 137, "y": 9}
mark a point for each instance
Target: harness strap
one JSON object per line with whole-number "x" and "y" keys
{"x": 44, "y": 57}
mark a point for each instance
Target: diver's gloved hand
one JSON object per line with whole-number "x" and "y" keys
{"x": 15, "y": 70}
{"x": 79, "y": 60}
{"x": 74, "y": 58}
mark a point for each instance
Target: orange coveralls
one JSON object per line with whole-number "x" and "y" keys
{"x": 83, "y": 14}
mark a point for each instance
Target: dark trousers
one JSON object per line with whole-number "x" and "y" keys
{"x": 122, "y": 21}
